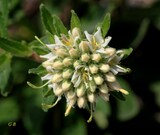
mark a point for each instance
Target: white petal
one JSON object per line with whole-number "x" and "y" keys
{"x": 78, "y": 82}
{"x": 107, "y": 40}
{"x": 98, "y": 36}
{"x": 48, "y": 56}
{"x": 101, "y": 50}
{"x": 75, "y": 75}
{"x": 57, "y": 40}
{"x": 88, "y": 36}
{"x": 47, "y": 77}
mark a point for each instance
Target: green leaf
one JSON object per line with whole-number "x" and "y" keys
{"x": 117, "y": 95}
{"x": 4, "y": 11}
{"x": 5, "y": 69}
{"x": 125, "y": 53}
{"x": 155, "y": 88}
{"x": 5, "y": 60}
{"x": 15, "y": 47}
{"x": 38, "y": 48}
{"x": 75, "y": 21}
{"x": 47, "y": 19}
{"x": 40, "y": 70}
{"x": 48, "y": 99}
{"x": 102, "y": 112}
{"x": 9, "y": 111}
{"x": 77, "y": 128}
{"x": 130, "y": 108}
{"x": 106, "y": 24}
{"x": 59, "y": 26}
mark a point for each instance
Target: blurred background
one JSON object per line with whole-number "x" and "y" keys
{"x": 134, "y": 23}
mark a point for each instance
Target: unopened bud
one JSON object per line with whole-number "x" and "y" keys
{"x": 58, "y": 91}
{"x": 103, "y": 88}
{"x": 76, "y": 32}
{"x": 84, "y": 46}
{"x": 76, "y": 63}
{"x": 67, "y": 74}
{"x": 91, "y": 98}
{"x": 70, "y": 95}
{"x": 72, "y": 101}
{"x": 93, "y": 69}
{"x": 96, "y": 57}
{"x": 66, "y": 85}
{"x": 67, "y": 62}
{"x": 57, "y": 78}
{"x": 85, "y": 57}
{"x": 73, "y": 53}
{"x": 61, "y": 52}
{"x": 98, "y": 79}
{"x": 110, "y": 51}
{"x": 110, "y": 77}
{"x": 57, "y": 64}
{"x": 81, "y": 101}
{"x": 80, "y": 91}
{"x": 104, "y": 68}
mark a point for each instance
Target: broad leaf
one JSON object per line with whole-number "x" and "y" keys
{"x": 37, "y": 47}
{"x": 47, "y": 19}
{"x": 5, "y": 69}
{"x": 9, "y": 110}
{"x": 15, "y": 47}
{"x": 75, "y": 22}
{"x": 105, "y": 24}
{"x": 102, "y": 112}
{"x": 59, "y": 26}
{"x": 125, "y": 53}
{"x": 48, "y": 99}
{"x": 117, "y": 95}
{"x": 130, "y": 108}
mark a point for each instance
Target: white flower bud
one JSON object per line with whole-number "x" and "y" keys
{"x": 110, "y": 77}
{"x": 110, "y": 51}
{"x": 96, "y": 57}
{"x": 57, "y": 64}
{"x": 98, "y": 79}
{"x": 104, "y": 68}
{"x": 70, "y": 95}
{"x": 66, "y": 85}
{"x": 58, "y": 91}
{"x": 67, "y": 74}
{"x": 85, "y": 57}
{"x": 47, "y": 64}
{"x": 72, "y": 101}
{"x": 84, "y": 46}
{"x": 67, "y": 62}
{"x": 93, "y": 69}
{"x": 61, "y": 52}
{"x": 103, "y": 88}
{"x": 73, "y": 53}
{"x": 76, "y": 32}
{"x": 81, "y": 101}
{"x": 57, "y": 78}
{"x": 76, "y": 63}
{"x": 91, "y": 98}
{"x": 80, "y": 91}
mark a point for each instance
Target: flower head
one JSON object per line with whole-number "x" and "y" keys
{"x": 82, "y": 67}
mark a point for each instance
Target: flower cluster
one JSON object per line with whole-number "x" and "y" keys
{"x": 82, "y": 67}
